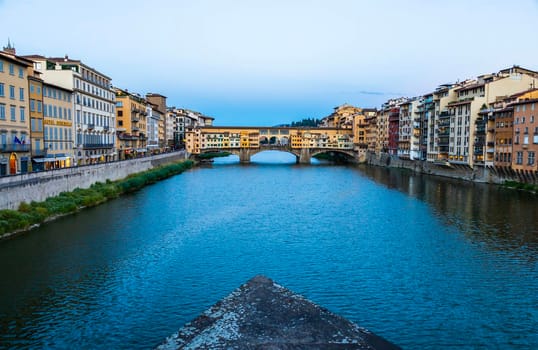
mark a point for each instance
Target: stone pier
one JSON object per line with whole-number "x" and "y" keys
{"x": 264, "y": 315}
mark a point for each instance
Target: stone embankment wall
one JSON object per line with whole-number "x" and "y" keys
{"x": 478, "y": 173}
{"x": 39, "y": 186}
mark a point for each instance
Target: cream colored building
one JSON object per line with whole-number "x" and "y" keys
{"x": 58, "y": 127}
{"x": 15, "y": 143}
{"x": 473, "y": 96}
{"x": 93, "y": 105}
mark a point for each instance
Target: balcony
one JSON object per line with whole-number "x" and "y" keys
{"x": 39, "y": 152}
{"x": 14, "y": 147}
{"x": 106, "y": 128}
{"x": 135, "y": 119}
{"x": 142, "y": 136}
{"x": 135, "y": 128}
{"x": 91, "y": 126}
{"x": 97, "y": 145}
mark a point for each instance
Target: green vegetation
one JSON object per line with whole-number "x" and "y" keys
{"x": 210, "y": 155}
{"x": 521, "y": 186}
{"x": 70, "y": 202}
{"x": 305, "y": 122}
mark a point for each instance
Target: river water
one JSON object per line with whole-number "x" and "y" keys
{"x": 426, "y": 262}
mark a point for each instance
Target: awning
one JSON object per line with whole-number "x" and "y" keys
{"x": 60, "y": 158}
{"x": 141, "y": 150}
{"x": 95, "y": 156}
{"x": 39, "y": 160}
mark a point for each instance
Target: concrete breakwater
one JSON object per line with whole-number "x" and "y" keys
{"x": 39, "y": 186}
{"x": 483, "y": 174}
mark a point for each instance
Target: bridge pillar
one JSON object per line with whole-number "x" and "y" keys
{"x": 244, "y": 155}
{"x": 304, "y": 157}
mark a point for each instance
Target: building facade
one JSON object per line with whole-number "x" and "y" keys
{"x": 93, "y": 106}
{"x": 131, "y": 124}
{"x": 15, "y": 142}
{"x": 525, "y": 136}
{"x": 59, "y": 127}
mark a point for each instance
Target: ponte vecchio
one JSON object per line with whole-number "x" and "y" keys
{"x": 244, "y": 141}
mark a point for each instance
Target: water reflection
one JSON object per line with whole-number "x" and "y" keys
{"x": 502, "y": 218}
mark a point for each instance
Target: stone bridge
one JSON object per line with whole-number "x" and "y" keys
{"x": 245, "y": 142}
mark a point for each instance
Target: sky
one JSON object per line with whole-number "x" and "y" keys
{"x": 269, "y": 62}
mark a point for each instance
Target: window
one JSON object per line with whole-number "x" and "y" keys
{"x": 21, "y": 94}
{"x": 519, "y": 157}
{"x": 40, "y": 125}
{"x": 2, "y": 92}
{"x": 1, "y": 66}
{"x": 39, "y": 107}
{"x": 2, "y": 111}
{"x": 38, "y": 90}
{"x": 11, "y": 69}
{"x": 21, "y": 72}
{"x": 525, "y": 139}
{"x": 12, "y": 110}
{"x": 531, "y": 158}
{"x": 32, "y": 105}
{"x": 32, "y": 88}
{"x": 21, "y": 112}
{"x": 531, "y": 119}
{"x": 12, "y": 92}
{"x": 33, "y": 124}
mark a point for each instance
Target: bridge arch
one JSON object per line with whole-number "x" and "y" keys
{"x": 348, "y": 155}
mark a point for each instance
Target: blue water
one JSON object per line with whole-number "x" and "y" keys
{"x": 428, "y": 263}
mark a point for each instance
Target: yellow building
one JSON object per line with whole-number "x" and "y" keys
{"x": 58, "y": 127}
{"x": 14, "y": 116}
{"x": 131, "y": 128}
{"x": 35, "y": 88}
{"x": 342, "y": 117}
{"x": 204, "y": 139}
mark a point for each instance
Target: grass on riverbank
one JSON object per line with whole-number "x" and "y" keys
{"x": 34, "y": 213}
{"x": 521, "y": 186}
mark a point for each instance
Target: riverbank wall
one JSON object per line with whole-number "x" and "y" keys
{"x": 41, "y": 185}
{"x": 484, "y": 174}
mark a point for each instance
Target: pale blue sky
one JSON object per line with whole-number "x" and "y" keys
{"x": 271, "y": 62}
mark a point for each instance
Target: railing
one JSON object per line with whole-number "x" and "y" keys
{"x": 15, "y": 147}
{"x": 91, "y": 126}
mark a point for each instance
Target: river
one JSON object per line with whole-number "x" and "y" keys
{"x": 426, "y": 262}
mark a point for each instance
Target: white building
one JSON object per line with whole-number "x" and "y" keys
{"x": 93, "y": 105}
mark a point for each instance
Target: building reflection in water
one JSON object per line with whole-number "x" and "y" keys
{"x": 502, "y": 218}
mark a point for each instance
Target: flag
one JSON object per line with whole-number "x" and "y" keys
{"x": 16, "y": 140}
